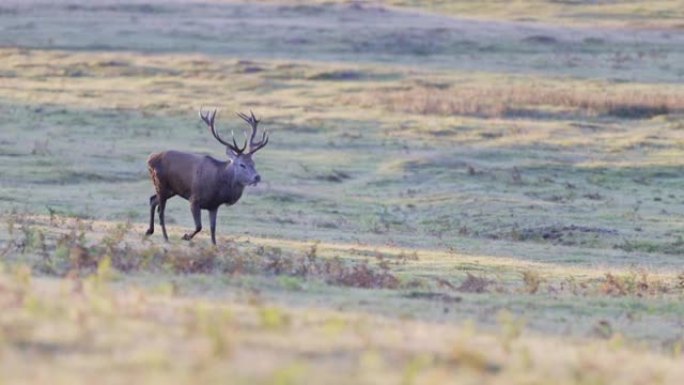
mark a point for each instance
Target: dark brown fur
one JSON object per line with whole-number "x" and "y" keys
{"x": 205, "y": 182}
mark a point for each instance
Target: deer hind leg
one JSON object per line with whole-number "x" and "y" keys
{"x": 159, "y": 199}
{"x": 154, "y": 202}
{"x": 196, "y": 215}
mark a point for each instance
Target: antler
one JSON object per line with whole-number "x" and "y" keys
{"x": 208, "y": 119}
{"x": 254, "y": 122}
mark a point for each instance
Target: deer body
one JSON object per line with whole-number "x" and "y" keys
{"x": 205, "y": 182}
{"x": 198, "y": 171}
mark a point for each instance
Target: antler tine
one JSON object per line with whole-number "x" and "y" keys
{"x": 254, "y": 123}
{"x": 254, "y": 147}
{"x": 238, "y": 149}
{"x": 209, "y": 119}
{"x": 213, "y": 116}
{"x": 246, "y": 118}
{"x": 203, "y": 117}
{"x": 252, "y": 120}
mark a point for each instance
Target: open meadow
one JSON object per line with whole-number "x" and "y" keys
{"x": 453, "y": 193}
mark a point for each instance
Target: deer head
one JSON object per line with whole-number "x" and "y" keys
{"x": 241, "y": 157}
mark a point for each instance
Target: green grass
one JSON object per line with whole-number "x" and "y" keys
{"x": 661, "y": 14}
{"x": 636, "y": 14}
{"x": 449, "y": 217}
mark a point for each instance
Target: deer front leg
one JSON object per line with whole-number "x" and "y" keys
{"x": 162, "y": 223}
{"x": 212, "y": 224}
{"x": 196, "y": 215}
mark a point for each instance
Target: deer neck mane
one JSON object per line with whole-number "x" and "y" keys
{"x": 232, "y": 190}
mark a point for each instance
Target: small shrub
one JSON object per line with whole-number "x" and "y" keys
{"x": 680, "y": 281}
{"x": 531, "y": 281}
{"x": 461, "y": 355}
{"x": 511, "y": 328}
{"x": 474, "y": 284}
{"x": 116, "y": 236}
{"x": 191, "y": 261}
{"x": 612, "y": 285}
{"x": 603, "y": 329}
{"x": 80, "y": 258}
{"x": 635, "y": 283}
{"x": 362, "y": 275}
{"x": 273, "y": 318}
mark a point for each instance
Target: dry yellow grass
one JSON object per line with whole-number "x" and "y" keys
{"x": 77, "y": 330}
{"x": 527, "y": 97}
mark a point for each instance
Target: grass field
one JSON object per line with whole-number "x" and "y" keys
{"x": 454, "y": 192}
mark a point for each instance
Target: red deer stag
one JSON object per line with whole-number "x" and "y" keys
{"x": 204, "y": 181}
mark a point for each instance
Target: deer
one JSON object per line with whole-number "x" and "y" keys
{"x": 204, "y": 181}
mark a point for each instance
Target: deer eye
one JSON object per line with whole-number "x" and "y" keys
{"x": 242, "y": 165}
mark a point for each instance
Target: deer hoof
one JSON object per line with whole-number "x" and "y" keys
{"x": 187, "y": 237}
{"x": 149, "y": 232}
